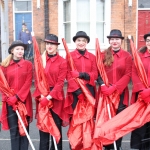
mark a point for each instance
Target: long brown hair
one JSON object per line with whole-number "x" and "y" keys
{"x": 142, "y": 49}
{"x": 109, "y": 59}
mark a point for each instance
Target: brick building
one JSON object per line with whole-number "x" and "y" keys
{"x": 66, "y": 17}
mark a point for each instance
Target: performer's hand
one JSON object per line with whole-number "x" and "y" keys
{"x": 145, "y": 93}
{"x": 29, "y": 42}
{"x": 74, "y": 74}
{"x": 84, "y": 75}
{"x": 100, "y": 80}
{"x": 12, "y": 100}
{"x": 14, "y": 107}
{"x": 147, "y": 99}
{"x": 49, "y": 97}
{"x": 44, "y": 101}
{"x": 81, "y": 96}
{"x": 108, "y": 90}
{"x": 42, "y": 96}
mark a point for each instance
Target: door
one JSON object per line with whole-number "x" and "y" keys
{"x": 143, "y": 26}
{"x": 19, "y": 19}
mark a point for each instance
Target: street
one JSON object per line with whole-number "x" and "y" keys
{"x": 34, "y": 135}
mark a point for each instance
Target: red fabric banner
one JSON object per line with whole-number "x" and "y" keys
{"x": 131, "y": 118}
{"x": 81, "y": 128}
{"x": 104, "y": 102}
{"x": 45, "y": 120}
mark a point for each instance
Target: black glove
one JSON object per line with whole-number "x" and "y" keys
{"x": 84, "y": 75}
{"x": 100, "y": 80}
{"x": 78, "y": 92}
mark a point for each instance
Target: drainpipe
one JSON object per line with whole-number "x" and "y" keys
{"x": 4, "y": 29}
{"x": 46, "y": 8}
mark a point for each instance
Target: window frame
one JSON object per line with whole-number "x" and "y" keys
{"x": 107, "y": 24}
{"x": 15, "y": 12}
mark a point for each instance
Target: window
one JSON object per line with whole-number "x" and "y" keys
{"x": 23, "y": 6}
{"x": 67, "y": 20}
{"x": 90, "y": 16}
{"x": 100, "y": 17}
{"x": 143, "y": 3}
{"x": 83, "y": 15}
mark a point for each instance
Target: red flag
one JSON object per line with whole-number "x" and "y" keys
{"x": 40, "y": 76}
{"x": 103, "y": 101}
{"x": 139, "y": 65}
{"x": 4, "y": 87}
{"x": 45, "y": 121}
{"x": 81, "y": 128}
{"x": 131, "y": 118}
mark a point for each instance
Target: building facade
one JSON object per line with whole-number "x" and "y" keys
{"x": 65, "y": 17}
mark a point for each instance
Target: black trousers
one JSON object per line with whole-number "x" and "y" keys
{"x": 45, "y": 137}
{"x": 140, "y": 138}
{"x": 17, "y": 142}
{"x": 121, "y": 107}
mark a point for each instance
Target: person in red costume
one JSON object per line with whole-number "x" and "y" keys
{"x": 118, "y": 66}
{"x": 85, "y": 64}
{"x": 18, "y": 73}
{"x": 55, "y": 68}
{"x": 140, "y": 136}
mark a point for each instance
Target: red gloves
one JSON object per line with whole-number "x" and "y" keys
{"x": 44, "y": 101}
{"x": 81, "y": 96}
{"x": 74, "y": 74}
{"x": 145, "y": 95}
{"x": 108, "y": 90}
{"x": 12, "y": 101}
{"x": 147, "y": 99}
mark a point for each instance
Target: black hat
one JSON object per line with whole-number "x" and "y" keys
{"x": 146, "y": 35}
{"x": 115, "y": 33}
{"x": 81, "y": 34}
{"x": 24, "y": 24}
{"x": 16, "y": 43}
{"x": 51, "y": 38}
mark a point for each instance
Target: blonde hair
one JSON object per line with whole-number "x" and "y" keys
{"x": 6, "y": 61}
{"x": 44, "y": 59}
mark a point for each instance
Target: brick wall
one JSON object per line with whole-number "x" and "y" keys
{"x": 38, "y": 23}
{"x": 124, "y": 18}
{"x": 39, "y": 26}
{"x": 53, "y": 16}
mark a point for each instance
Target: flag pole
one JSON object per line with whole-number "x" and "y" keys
{"x": 109, "y": 113}
{"x": 55, "y": 143}
{"x": 25, "y": 129}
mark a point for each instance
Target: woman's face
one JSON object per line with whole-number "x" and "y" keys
{"x": 148, "y": 43}
{"x": 51, "y": 48}
{"x": 81, "y": 43}
{"x": 115, "y": 43}
{"x": 17, "y": 52}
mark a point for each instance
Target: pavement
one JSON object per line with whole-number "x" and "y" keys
{"x": 34, "y": 135}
